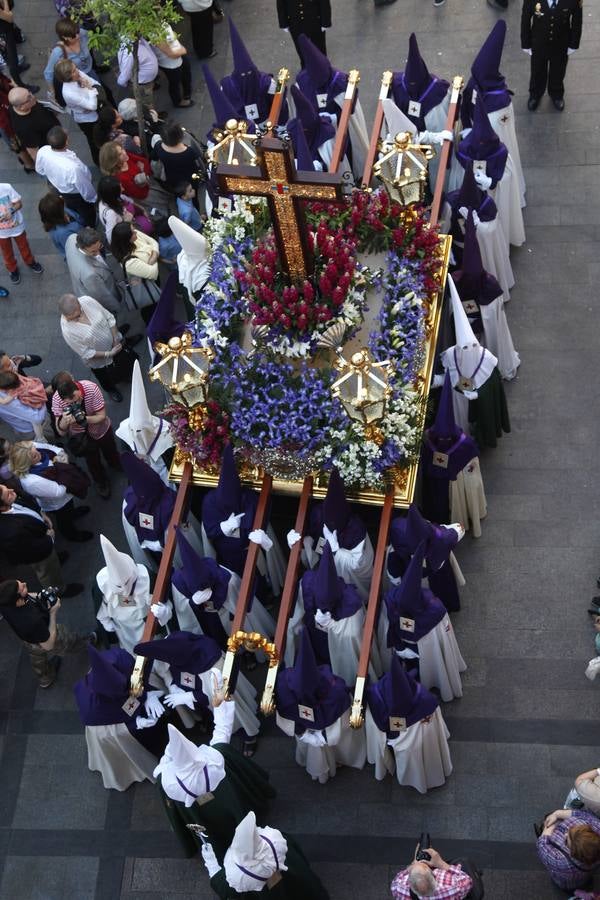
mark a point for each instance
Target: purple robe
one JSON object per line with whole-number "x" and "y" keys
{"x": 188, "y": 655}
{"x": 416, "y": 85}
{"x": 397, "y": 694}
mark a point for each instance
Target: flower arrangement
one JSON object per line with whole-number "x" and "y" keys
{"x": 201, "y": 433}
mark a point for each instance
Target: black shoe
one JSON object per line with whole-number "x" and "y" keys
{"x": 133, "y": 340}
{"x": 63, "y": 556}
{"x": 124, "y": 328}
{"x": 533, "y": 103}
{"x": 103, "y": 490}
{"x": 33, "y": 360}
{"x": 80, "y": 511}
{"x": 115, "y": 395}
{"x": 559, "y": 103}
{"x": 72, "y": 589}
{"x": 24, "y": 66}
{"x": 78, "y": 537}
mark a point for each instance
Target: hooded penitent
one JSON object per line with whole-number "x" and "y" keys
{"x": 482, "y": 145}
{"x": 247, "y": 88}
{"x": 193, "y": 261}
{"x": 486, "y": 79}
{"x": 415, "y": 91}
{"x": 398, "y": 700}
{"x": 149, "y": 502}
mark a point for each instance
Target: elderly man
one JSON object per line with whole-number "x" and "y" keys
{"x": 90, "y": 273}
{"x": 65, "y": 172}
{"x": 431, "y": 878}
{"x": 91, "y": 332}
{"x": 30, "y": 120}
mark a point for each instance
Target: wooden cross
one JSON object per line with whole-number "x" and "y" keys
{"x": 276, "y": 178}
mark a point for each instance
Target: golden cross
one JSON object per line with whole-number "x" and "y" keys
{"x": 276, "y": 178}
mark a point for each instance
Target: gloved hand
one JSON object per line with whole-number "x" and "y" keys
{"x": 465, "y": 132}
{"x": 435, "y": 137}
{"x": 484, "y": 181}
{"x": 313, "y": 738}
{"x": 223, "y": 714}
{"x": 293, "y": 537}
{"x": 323, "y": 620}
{"x": 458, "y": 528}
{"x": 261, "y": 537}
{"x": 174, "y": 688}
{"x": 162, "y": 612}
{"x": 141, "y": 722}
{"x": 464, "y": 212}
{"x": 152, "y": 705}
{"x": 202, "y": 596}
{"x": 438, "y": 381}
{"x": 526, "y": 50}
{"x": 331, "y": 538}
{"x": 231, "y": 524}
{"x": 208, "y": 854}
{"x": 180, "y": 698}
{"x": 571, "y": 50}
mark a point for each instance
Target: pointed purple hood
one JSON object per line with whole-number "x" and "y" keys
{"x": 406, "y": 534}
{"x": 317, "y": 129}
{"x": 100, "y": 695}
{"x": 319, "y": 77}
{"x": 222, "y": 106}
{"x": 149, "y": 503}
{"x": 163, "y": 324}
{"x": 183, "y": 651}
{"x": 229, "y": 490}
{"x": 198, "y": 573}
{"x": 486, "y": 78}
{"x": 414, "y": 603}
{"x": 324, "y": 589}
{"x": 416, "y": 84}
{"x": 313, "y": 686}
{"x": 246, "y": 84}
{"x": 444, "y": 425}
{"x": 471, "y": 280}
{"x": 336, "y": 513}
{"x": 483, "y": 144}
{"x": 397, "y": 694}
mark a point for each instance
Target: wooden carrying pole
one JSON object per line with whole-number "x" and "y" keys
{"x": 356, "y": 715}
{"x": 247, "y": 582}
{"x": 163, "y": 578}
{"x": 278, "y": 98}
{"x": 386, "y": 81}
{"x": 445, "y": 152}
{"x": 287, "y": 598}
{"x": 342, "y": 129}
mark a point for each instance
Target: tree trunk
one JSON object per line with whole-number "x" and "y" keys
{"x": 138, "y": 97}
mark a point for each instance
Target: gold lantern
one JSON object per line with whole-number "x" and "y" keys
{"x": 402, "y": 167}
{"x": 183, "y": 370}
{"x": 363, "y": 390}
{"x": 234, "y": 146}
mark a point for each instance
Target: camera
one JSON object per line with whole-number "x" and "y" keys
{"x": 48, "y": 597}
{"x": 424, "y": 841}
{"x": 77, "y": 411}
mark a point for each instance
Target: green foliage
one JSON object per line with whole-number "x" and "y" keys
{"x": 125, "y": 21}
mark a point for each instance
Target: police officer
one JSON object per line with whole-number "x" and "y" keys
{"x": 550, "y": 32}
{"x": 309, "y": 17}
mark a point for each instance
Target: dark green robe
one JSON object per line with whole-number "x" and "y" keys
{"x": 488, "y": 414}
{"x": 299, "y": 882}
{"x": 245, "y": 787}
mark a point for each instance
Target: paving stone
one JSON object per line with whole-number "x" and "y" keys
{"x": 49, "y": 878}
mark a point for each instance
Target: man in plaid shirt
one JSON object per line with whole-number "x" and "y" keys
{"x": 433, "y": 879}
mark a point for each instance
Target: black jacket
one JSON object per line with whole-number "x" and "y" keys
{"x": 304, "y": 16}
{"x": 23, "y": 538}
{"x": 551, "y": 30}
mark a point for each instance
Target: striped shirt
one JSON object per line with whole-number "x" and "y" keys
{"x": 553, "y": 852}
{"x": 452, "y": 884}
{"x": 94, "y": 402}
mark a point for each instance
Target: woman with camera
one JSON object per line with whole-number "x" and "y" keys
{"x": 33, "y": 618}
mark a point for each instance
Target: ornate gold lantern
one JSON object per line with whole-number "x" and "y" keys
{"x": 183, "y": 370}
{"x": 402, "y": 167}
{"x": 234, "y": 146}
{"x": 363, "y": 390}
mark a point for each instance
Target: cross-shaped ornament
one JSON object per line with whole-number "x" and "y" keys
{"x": 276, "y": 178}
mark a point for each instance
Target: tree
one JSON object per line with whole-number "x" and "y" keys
{"x": 124, "y": 22}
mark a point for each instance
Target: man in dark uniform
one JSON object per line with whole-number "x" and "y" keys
{"x": 309, "y": 17}
{"x": 550, "y": 32}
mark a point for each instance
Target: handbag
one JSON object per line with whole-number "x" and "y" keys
{"x": 70, "y": 475}
{"x": 139, "y": 293}
{"x": 123, "y": 362}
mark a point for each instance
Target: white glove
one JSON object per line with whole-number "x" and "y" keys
{"x": 223, "y": 716}
{"x": 435, "y": 137}
{"x": 571, "y": 50}
{"x": 323, "y": 620}
{"x": 483, "y": 180}
{"x": 313, "y": 738}
{"x": 527, "y": 50}
{"x": 174, "y": 688}
{"x": 231, "y": 524}
{"x": 141, "y": 722}
{"x": 180, "y": 698}
{"x": 458, "y": 528}
{"x": 293, "y": 537}
{"x": 593, "y": 667}
{"x": 202, "y": 596}
{"x": 438, "y": 381}
{"x": 152, "y": 704}
{"x": 210, "y": 860}
{"x": 261, "y": 537}
{"x": 464, "y": 212}
{"x": 331, "y": 538}
{"x": 162, "y": 612}
{"x": 465, "y": 132}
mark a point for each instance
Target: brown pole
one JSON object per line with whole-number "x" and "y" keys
{"x": 278, "y": 97}
{"x": 457, "y": 84}
{"x": 163, "y": 577}
{"x": 356, "y": 717}
{"x": 386, "y": 80}
{"x": 287, "y": 597}
{"x": 342, "y": 129}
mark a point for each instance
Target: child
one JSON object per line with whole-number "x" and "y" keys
{"x": 168, "y": 245}
{"x": 13, "y": 226}
{"x": 186, "y": 210}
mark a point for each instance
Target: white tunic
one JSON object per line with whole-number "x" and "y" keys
{"x": 355, "y": 566}
{"x": 420, "y": 754}
{"x": 503, "y": 123}
{"x": 125, "y": 616}
{"x": 440, "y": 660}
{"x": 498, "y": 338}
{"x": 468, "y": 503}
{"x": 272, "y": 564}
{"x": 120, "y": 759}
{"x": 507, "y": 197}
{"x": 345, "y": 746}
